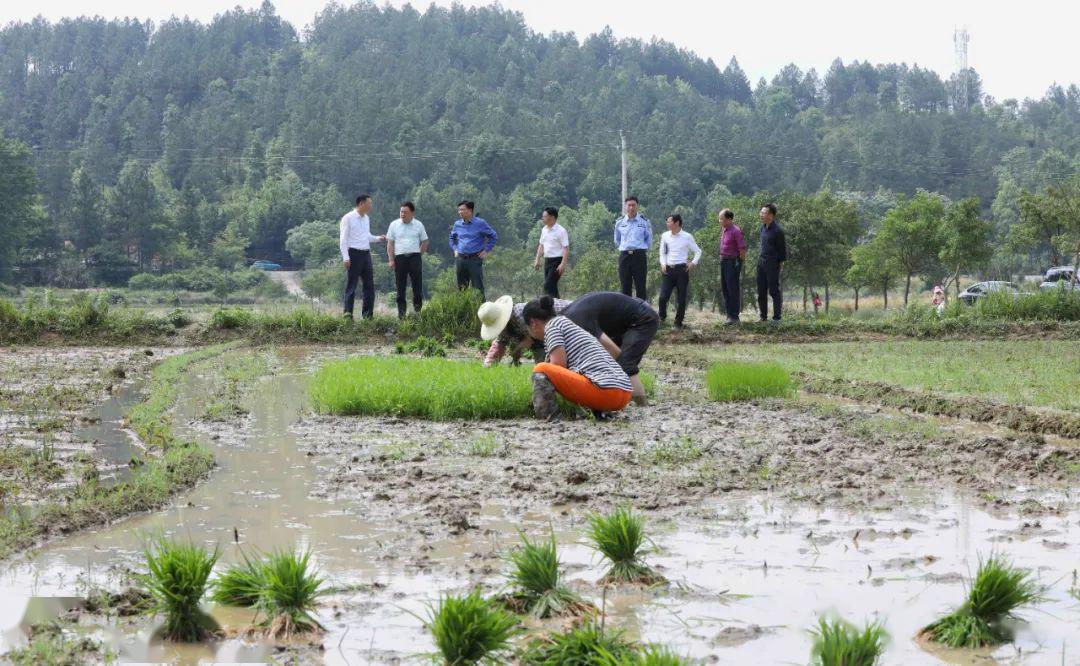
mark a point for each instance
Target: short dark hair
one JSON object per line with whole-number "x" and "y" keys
{"x": 631, "y": 198}
{"x": 728, "y": 214}
{"x": 409, "y": 205}
{"x": 771, "y": 207}
{"x": 361, "y": 198}
{"x": 552, "y": 211}
{"x": 468, "y": 204}
{"x": 675, "y": 217}
{"x": 541, "y": 309}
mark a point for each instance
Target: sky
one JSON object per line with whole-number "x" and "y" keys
{"x": 1013, "y": 46}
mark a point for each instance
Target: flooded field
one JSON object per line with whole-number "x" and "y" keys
{"x": 763, "y": 517}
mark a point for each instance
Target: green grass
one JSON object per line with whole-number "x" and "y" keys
{"x": 241, "y": 584}
{"x": 177, "y": 580}
{"x": 741, "y": 380}
{"x": 290, "y": 590}
{"x": 840, "y": 643}
{"x": 679, "y": 451}
{"x": 586, "y": 645}
{"x": 535, "y": 579}
{"x": 997, "y": 591}
{"x": 471, "y": 630}
{"x": 620, "y": 537}
{"x": 49, "y": 644}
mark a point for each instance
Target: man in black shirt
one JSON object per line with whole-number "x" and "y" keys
{"x": 772, "y": 255}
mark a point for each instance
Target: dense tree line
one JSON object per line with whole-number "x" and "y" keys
{"x": 162, "y": 147}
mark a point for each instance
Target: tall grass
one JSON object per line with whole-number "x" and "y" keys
{"x": 470, "y": 629}
{"x": 620, "y": 537}
{"x": 177, "y": 581}
{"x": 535, "y": 577}
{"x": 1050, "y": 305}
{"x": 741, "y": 380}
{"x": 290, "y": 590}
{"x": 997, "y": 591}
{"x": 840, "y": 643}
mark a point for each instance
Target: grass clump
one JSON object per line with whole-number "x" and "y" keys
{"x": 740, "y": 380}
{"x": 840, "y": 643}
{"x": 240, "y": 584}
{"x": 587, "y": 645}
{"x": 537, "y": 588}
{"x": 177, "y": 581}
{"x": 620, "y": 537}
{"x": 289, "y": 593}
{"x": 470, "y": 629}
{"x": 998, "y": 589}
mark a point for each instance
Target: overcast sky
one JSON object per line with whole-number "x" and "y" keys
{"x": 1019, "y": 49}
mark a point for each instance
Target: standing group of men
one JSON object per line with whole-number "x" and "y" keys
{"x": 472, "y": 239}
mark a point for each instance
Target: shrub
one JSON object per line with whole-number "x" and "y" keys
{"x": 620, "y": 537}
{"x": 231, "y": 319}
{"x": 470, "y": 629}
{"x": 840, "y": 643}
{"x": 535, "y": 578}
{"x": 998, "y": 590}
{"x": 289, "y": 592}
{"x": 739, "y": 380}
{"x": 177, "y": 581}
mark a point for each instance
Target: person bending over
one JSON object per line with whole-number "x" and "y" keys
{"x": 578, "y": 368}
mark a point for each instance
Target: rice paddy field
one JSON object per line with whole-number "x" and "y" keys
{"x": 882, "y": 501}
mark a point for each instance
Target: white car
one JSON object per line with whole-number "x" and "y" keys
{"x": 980, "y": 289}
{"x": 1058, "y": 277}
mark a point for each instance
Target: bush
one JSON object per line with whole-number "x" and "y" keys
{"x": 231, "y": 319}
{"x": 740, "y": 380}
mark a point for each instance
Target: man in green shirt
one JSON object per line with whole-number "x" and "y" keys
{"x": 406, "y": 243}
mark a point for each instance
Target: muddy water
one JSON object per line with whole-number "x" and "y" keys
{"x": 750, "y": 572}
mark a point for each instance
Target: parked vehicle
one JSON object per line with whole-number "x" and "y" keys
{"x": 264, "y": 265}
{"x": 981, "y": 289}
{"x": 1058, "y": 277}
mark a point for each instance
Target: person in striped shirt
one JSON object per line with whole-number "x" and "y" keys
{"x": 578, "y": 367}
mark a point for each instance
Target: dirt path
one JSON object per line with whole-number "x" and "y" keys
{"x": 291, "y": 281}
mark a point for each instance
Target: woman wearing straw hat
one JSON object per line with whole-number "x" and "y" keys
{"x": 501, "y": 322}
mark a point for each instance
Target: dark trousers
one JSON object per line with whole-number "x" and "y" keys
{"x": 551, "y": 276}
{"x": 636, "y": 340}
{"x": 359, "y": 269}
{"x": 409, "y": 267}
{"x": 633, "y": 265}
{"x": 470, "y": 272}
{"x": 730, "y": 287}
{"x": 768, "y": 284}
{"x": 676, "y": 278}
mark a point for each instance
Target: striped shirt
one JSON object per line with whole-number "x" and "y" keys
{"x": 584, "y": 354}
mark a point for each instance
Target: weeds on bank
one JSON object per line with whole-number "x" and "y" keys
{"x": 289, "y": 592}
{"x": 537, "y": 588}
{"x": 620, "y": 537}
{"x": 177, "y": 580}
{"x": 740, "y": 380}
{"x": 471, "y": 629}
{"x": 840, "y": 643}
{"x": 998, "y": 589}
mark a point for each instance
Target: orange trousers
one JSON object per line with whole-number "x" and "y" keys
{"x": 579, "y": 390}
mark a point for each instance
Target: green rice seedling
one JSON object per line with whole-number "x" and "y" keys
{"x": 535, "y": 577}
{"x": 290, "y": 590}
{"x": 177, "y": 580}
{"x": 840, "y": 643}
{"x": 998, "y": 589}
{"x": 650, "y": 655}
{"x": 739, "y": 380}
{"x": 241, "y": 584}
{"x": 620, "y": 537}
{"x": 586, "y": 645}
{"x": 470, "y": 629}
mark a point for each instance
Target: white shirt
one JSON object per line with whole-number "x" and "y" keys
{"x": 554, "y": 240}
{"x": 675, "y": 248}
{"x": 355, "y": 233}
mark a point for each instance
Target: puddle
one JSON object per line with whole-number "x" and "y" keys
{"x": 115, "y": 445}
{"x": 750, "y": 572}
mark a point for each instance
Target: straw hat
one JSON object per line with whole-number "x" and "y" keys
{"x": 493, "y": 316}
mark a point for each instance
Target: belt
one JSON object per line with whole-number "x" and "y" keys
{"x": 407, "y": 254}
{"x": 725, "y": 258}
{"x": 683, "y": 265}
{"x": 632, "y": 251}
{"x": 462, "y": 255}
{"x": 356, "y": 249}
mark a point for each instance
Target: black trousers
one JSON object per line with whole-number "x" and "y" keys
{"x": 470, "y": 273}
{"x": 359, "y": 269}
{"x": 633, "y": 265}
{"x": 551, "y": 276}
{"x": 730, "y": 287}
{"x": 409, "y": 267}
{"x": 636, "y": 340}
{"x": 768, "y": 284}
{"x": 676, "y": 278}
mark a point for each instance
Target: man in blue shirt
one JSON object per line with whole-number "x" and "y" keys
{"x": 633, "y": 236}
{"x": 471, "y": 239}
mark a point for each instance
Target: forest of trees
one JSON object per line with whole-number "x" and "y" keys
{"x": 128, "y": 147}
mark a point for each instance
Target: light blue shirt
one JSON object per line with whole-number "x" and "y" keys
{"x": 407, "y": 237}
{"x": 633, "y": 234}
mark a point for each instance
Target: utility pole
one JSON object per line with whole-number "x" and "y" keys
{"x": 961, "y": 37}
{"x": 622, "y": 139}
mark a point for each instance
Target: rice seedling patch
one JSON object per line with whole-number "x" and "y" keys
{"x": 536, "y": 583}
{"x": 178, "y": 578}
{"x": 471, "y": 629}
{"x": 590, "y": 643}
{"x": 620, "y": 538}
{"x": 240, "y": 584}
{"x": 290, "y": 589}
{"x": 740, "y": 380}
{"x": 840, "y": 643}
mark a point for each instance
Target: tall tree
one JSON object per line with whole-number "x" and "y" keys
{"x": 20, "y": 211}
{"x": 911, "y": 236}
{"x": 965, "y": 240}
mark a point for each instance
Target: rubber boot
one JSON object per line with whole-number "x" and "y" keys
{"x": 545, "y": 401}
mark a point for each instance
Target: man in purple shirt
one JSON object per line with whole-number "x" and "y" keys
{"x": 732, "y": 256}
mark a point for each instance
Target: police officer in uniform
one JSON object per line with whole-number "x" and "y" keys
{"x": 633, "y": 236}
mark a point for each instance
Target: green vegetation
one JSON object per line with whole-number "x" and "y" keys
{"x": 740, "y": 380}
{"x": 535, "y": 577}
{"x": 83, "y": 318}
{"x": 241, "y": 584}
{"x": 840, "y": 643}
{"x": 289, "y": 593}
{"x": 226, "y": 387}
{"x": 620, "y": 537}
{"x": 178, "y": 578}
{"x": 471, "y": 629}
{"x": 1052, "y": 305}
{"x": 423, "y": 345}
{"x": 678, "y": 451}
{"x": 49, "y": 644}
{"x": 997, "y": 591}
{"x": 587, "y": 645}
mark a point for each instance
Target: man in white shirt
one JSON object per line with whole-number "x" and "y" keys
{"x": 406, "y": 243}
{"x": 355, "y": 243}
{"x": 555, "y": 248}
{"x": 675, "y": 247}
